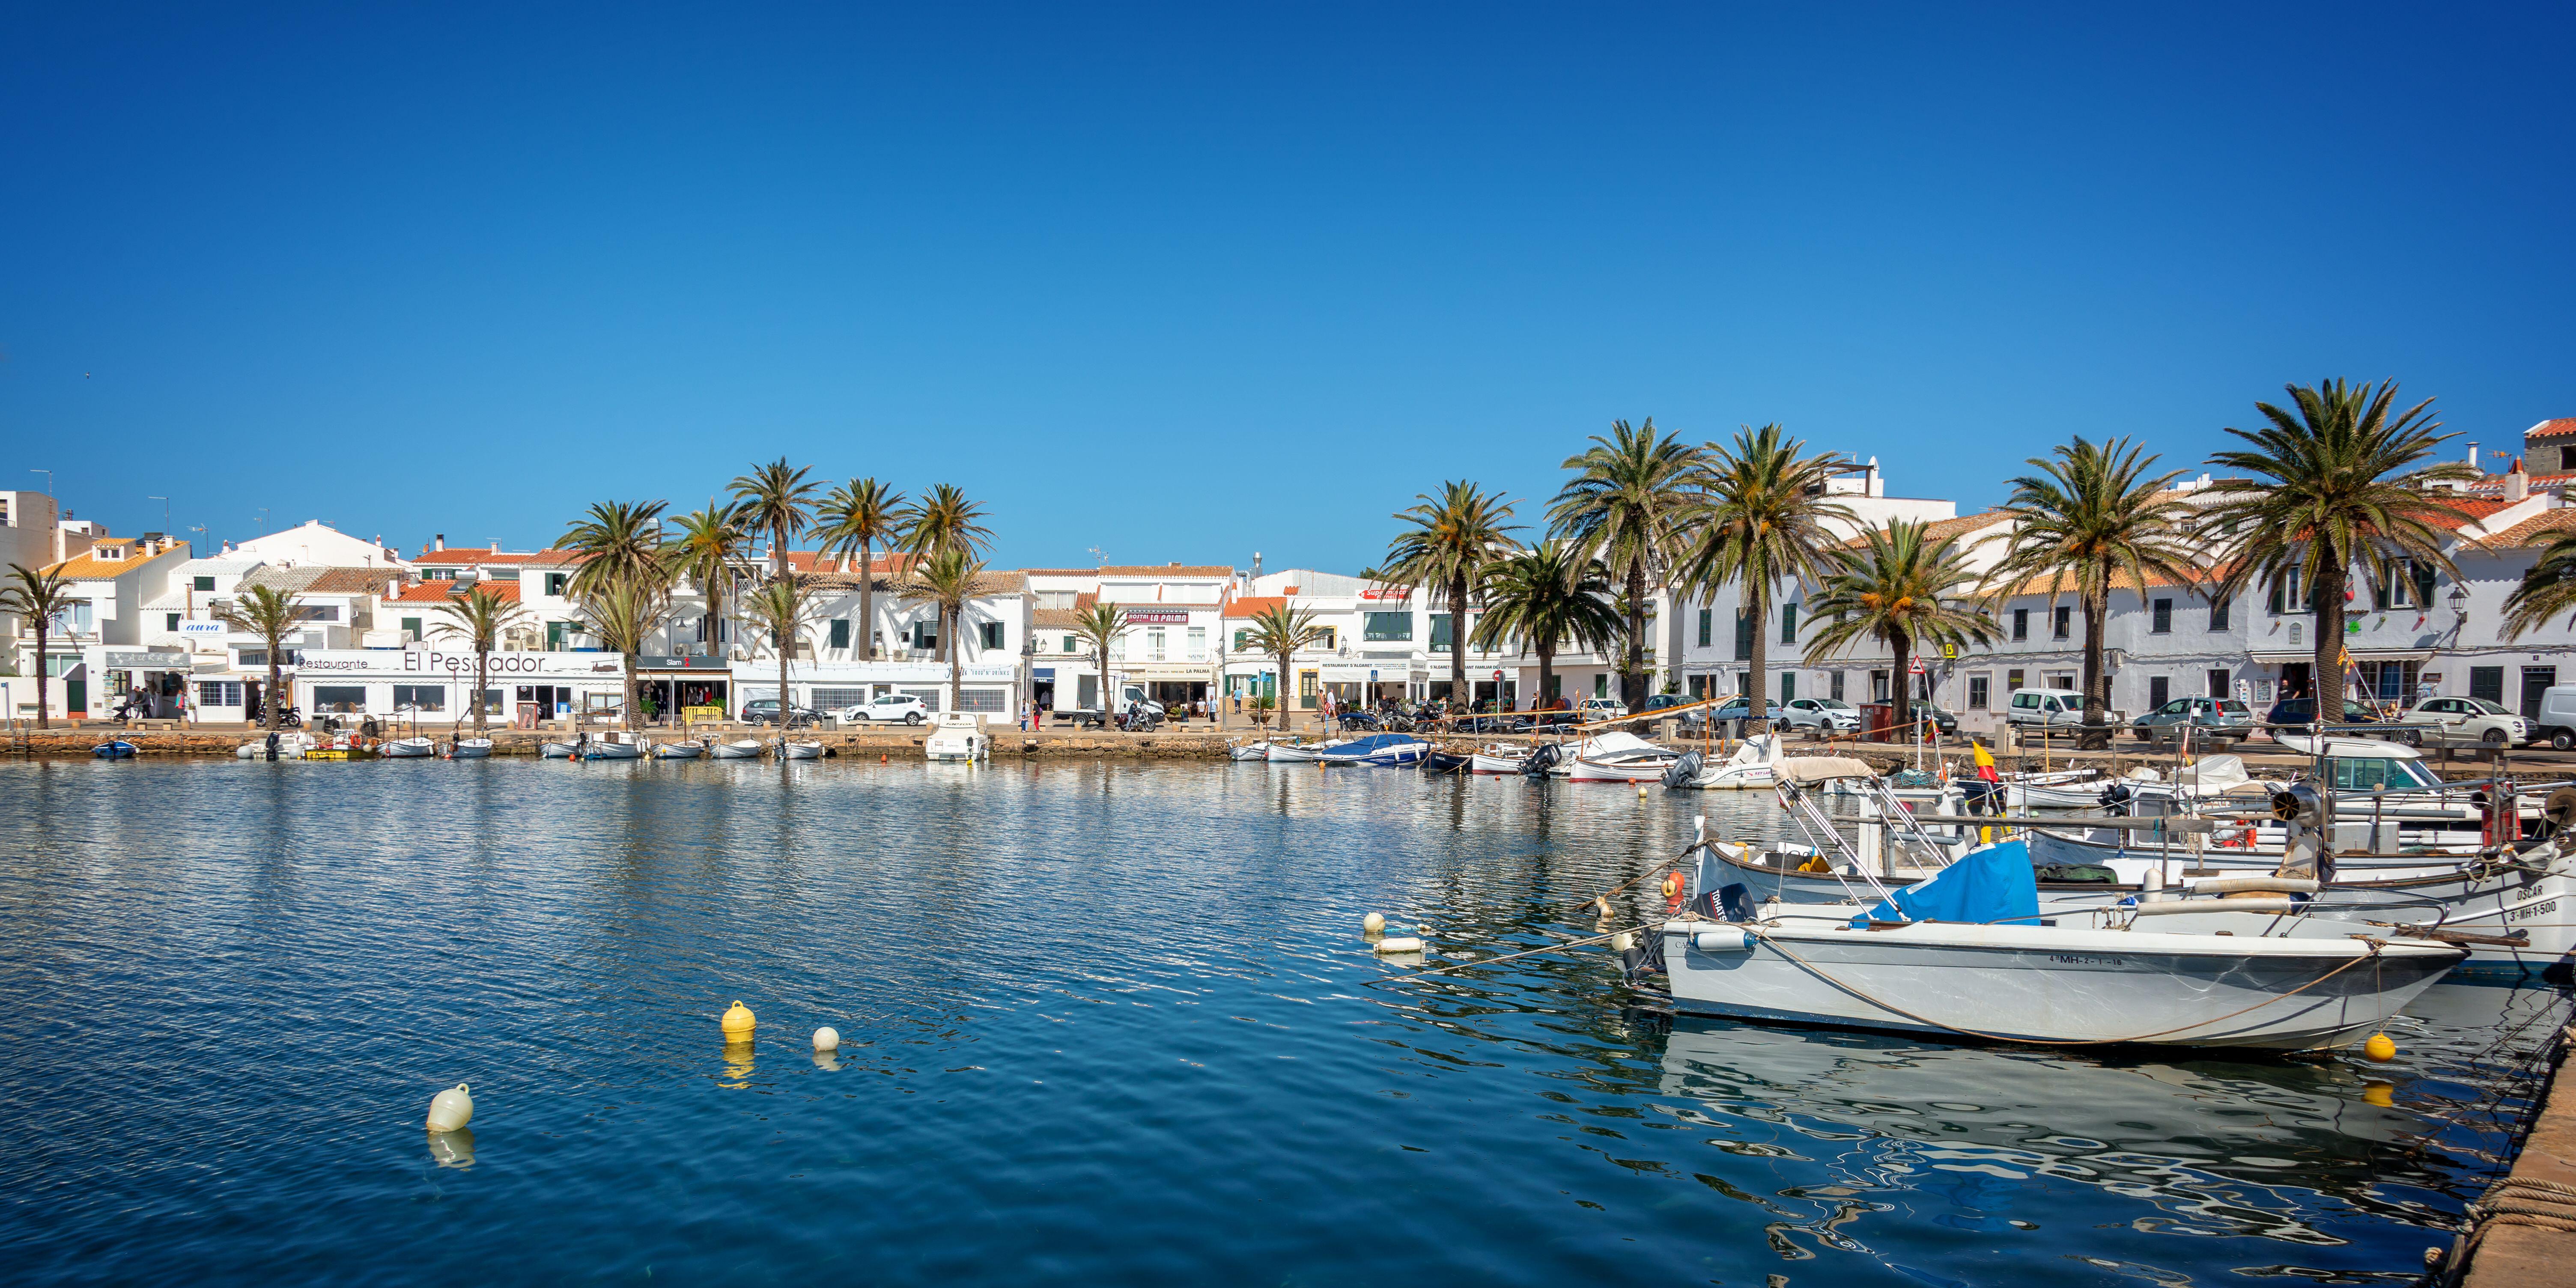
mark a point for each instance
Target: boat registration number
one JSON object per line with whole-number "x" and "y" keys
{"x": 2535, "y": 910}
{"x": 2078, "y": 959}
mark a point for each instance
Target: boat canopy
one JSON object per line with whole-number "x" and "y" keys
{"x": 1372, "y": 743}
{"x": 2343, "y": 747}
{"x": 1807, "y": 770}
{"x": 1612, "y": 743}
{"x": 1989, "y": 886}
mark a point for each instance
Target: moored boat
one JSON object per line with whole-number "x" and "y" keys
{"x": 113, "y": 749}
{"x": 681, "y": 749}
{"x": 1749, "y": 767}
{"x": 792, "y": 750}
{"x": 1379, "y": 749}
{"x": 469, "y": 749}
{"x": 1615, "y": 757}
{"x": 738, "y": 749}
{"x": 417, "y": 748}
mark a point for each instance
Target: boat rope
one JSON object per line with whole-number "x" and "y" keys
{"x": 1488, "y": 961}
{"x": 2374, "y": 946}
{"x": 1605, "y": 895}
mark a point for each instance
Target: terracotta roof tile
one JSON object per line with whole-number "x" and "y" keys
{"x": 438, "y": 592}
{"x": 2557, "y": 427}
{"x": 1053, "y": 618}
{"x": 87, "y": 566}
{"x": 353, "y": 581}
{"x": 2539, "y": 529}
{"x": 1168, "y": 570}
{"x": 1254, "y": 605}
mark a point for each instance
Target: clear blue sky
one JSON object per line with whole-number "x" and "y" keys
{"x": 1186, "y": 283}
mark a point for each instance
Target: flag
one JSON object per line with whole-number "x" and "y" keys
{"x": 1985, "y": 761}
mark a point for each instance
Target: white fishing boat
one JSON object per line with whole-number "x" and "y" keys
{"x": 1749, "y": 767}
{"x": 789, "y": 749}
{"x": 469, "y": 749}
{"x": 680, "y": 749}
{"x": 1497, "y": 758}
{"x": 1965, "y": 953}
{"x": 1300, "y": 752}
{"x": 1380, "y": 749}
{"x": 291, "y": 745}
{"x": 1240, "y": 749}
{"x": 738, "y": 749}
{"x": 609, "y": 746}
{"x": 1614, "y": 757}
{"x": 415, "y": 748}
{"x": 558, "y": 750}
{"x": 2064, "y": 789}
{"x": 957, "y": 736}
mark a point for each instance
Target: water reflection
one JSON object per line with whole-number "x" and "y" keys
{"x": 452, "y": 1148}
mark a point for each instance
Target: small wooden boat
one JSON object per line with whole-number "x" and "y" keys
{"x": 684, "y": 749}
{"x": 344, "y": 746}
{"x": 113, "y": 749}
{"x": 1257, "y": 749}
{"x": 291, "y": 745}
{"x": 558, "y": 750}
{"x": 470, "y": 749}
{"x": 740, "y": 749}
{"x": 800, "y": 750}
{"x": 1498, "y": 759}
{"x": 607, "y": 749}
{"x": 420, "y": 748}
{"x": 1446, "y": 762}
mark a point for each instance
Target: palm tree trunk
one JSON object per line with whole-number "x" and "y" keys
{"x": 2327, "y": 666}
{"x": 482, "y": 676}
{"x": 1757, "y": 698}
{"x": 867, "y": 606}
{"x": 1282, "y": 700}
{"x": 2097, "y": 701}
{"x": 1632, "y": 678}
{"x": 786, "y": 646}
{"x": 44, "y": 703}
{"x": 1458, "y": 643}
{"x": 955, "y": 659}
{"x": 1902, "y": 644}
{"x": 270, "y": 708}
{"x": 634, "y": 690}
{"x": 1546, "y": 672}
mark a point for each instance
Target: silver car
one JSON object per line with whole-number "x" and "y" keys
{"x": 2215, "y": 718}
{"x": 2461, "y": 722}
{"x": 1814, "y": 713}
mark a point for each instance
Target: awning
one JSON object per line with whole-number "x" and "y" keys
{"x": 2274, "y": 657}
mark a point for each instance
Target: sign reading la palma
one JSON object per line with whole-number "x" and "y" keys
{"x": 422, "y": 661}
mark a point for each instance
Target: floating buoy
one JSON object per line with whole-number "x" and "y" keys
{"x": 1373, "y": 923}
{"x": 881, "y": 758}
{"x": 1400, "y": 944}
{"x": 1623, "y": 941}
{"x": 1673, "y": 886}
{"x": 2379, "y": 1093}
{"x": 827, "y": 1038}
{"x": 1601, "y": 904}
{"x": 738, "y": 1021}
{"x": 451, "y": 1109}
{"x": 2380, "y": 1047}
{"x": 1641, "y": 789}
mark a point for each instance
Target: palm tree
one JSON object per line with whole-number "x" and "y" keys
{"x": 950, "y": 580}
{"x": 1903, "y": 588}
{"x": 624, "y": 615}
{"x": 775, "y": 498}
{"x": 1764, "y": 523}
{"x": 40, "y": 597}
{"x": 619, "y": 542}
{"x": 270, "y": 614}
{"x": 1626, "y": 506}
{"x": 1548, "y": 596}
{"x": 1280, "y": 630}
{"x": 860, "y": 516}
{"x": 2547, "y": 589}
{"x": 1451, "y": 544}
{"x": 481, "y": 615}
{"x": 709, "y": 544}
{"x": 2088, "y": 517}
{"x": 2331, "y": 485}
{"x": 780, "y": 607}
{"x": 1100, "y": 626}
{"x": 942, "y": 521}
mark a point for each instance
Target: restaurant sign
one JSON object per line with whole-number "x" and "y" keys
{"x": 421, "y": 661}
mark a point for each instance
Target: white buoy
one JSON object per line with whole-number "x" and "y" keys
{"x": 827, "y": 1038}
{"x": 1623, "y": 941}
{"x": 451, "y": 1109}
{"x": 1373, "y": 923}
{"x": 1400, "y": 944}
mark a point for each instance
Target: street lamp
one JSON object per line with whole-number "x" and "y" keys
{"x": 2459, "y": 601}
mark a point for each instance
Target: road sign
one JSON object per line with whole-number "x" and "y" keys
{"x": 1372, "y": 675}
{"x": 1949, "y": 653}
{"x": 1498, "y": 675}
{"x": 1917, "y": 668}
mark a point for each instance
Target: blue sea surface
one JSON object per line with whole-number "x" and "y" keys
{"x": 1101, "y": 1024}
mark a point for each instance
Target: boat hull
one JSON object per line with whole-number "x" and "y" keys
{"x": 471, "y": 749}
{"x": 408, "y": 749}
{"x": 747, "y": 749}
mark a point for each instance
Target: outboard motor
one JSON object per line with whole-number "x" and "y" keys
{"x": 2115, "y": 800}
{"x": 1681, "y": 771}
{"x": 1541, "y": 760}
{"x": 272, "y": 744}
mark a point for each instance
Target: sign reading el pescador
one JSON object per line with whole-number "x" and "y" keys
{"x": 402, "y": 663}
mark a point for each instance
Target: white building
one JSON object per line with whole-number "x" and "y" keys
{"x": 315, "y": 544}
{"x": 96, "y": 651}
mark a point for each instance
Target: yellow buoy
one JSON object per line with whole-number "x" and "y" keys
{"x": 2380, "y": 1047}
{"x": 1373, "y": 923}
{"x": 738, "y": 1021}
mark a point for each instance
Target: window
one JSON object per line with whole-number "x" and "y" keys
{"x": 1707, "y": 624}
{"x": 1386, "y": 626}
{"x": 420, "y": 697}
{"x": 1441, "y": 634}
{"x": 557, "y": 581}
{"x": 1198, "y": 644}
{"x": 1980, "y": 691}
{"x": 81, "y": 615}
{"x": 317, "y": 612}
{"x": 2487, "y": 682}
{"x": 1326, "y": 637}
{"x": 345, "y": 699}
{"x": 2021, "y": 623}
{"x": 925, "y": 635}
{"x": 989, "y": 701}
{"x": 1154, "y": 645}
{"x": 411, "y": 629}
{"x": 1239, "y": 638}
{"x": 2159, "y": 690}
{"x": 1788, "y": 623}
{"x": 1788, "y": 686}
{"x": 170, "y": 621}
{"x": 1834, "y": 687}
{"x": 219, "y": 693}
{"x": 840, "y": 635}
{"x": 2015, "y": 679}
{"x": 2285, "y": 592}
{"x": 1878, "y": 686}
{"x": 1074, "y": 645}
{"x": 208, "y": 583}
{"x": 2218, "y": 614}
{"x": 2161, "y": 614}
{"x": 251, "y": 657}
{"x": 2061, "y": 623}
{"x": 2406, "y": 583}
{"x": 1601, "y": 685}
{"x": 1744, "y": 626}
{"x": 2389, "y": 681}
{"x": 2218, "y": 682}
{"x": 992, "y": 634}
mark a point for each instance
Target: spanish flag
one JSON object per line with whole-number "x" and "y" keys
{"x": 1985, "y": 761}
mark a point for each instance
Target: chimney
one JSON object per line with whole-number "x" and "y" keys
{"x": 1256, "y": 565}
{"x": 2517, "y": 484}
{"x": 438, "y": 542}
{"x": 2473, "y": 454}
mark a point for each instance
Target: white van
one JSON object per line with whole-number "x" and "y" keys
{"x": 2050, "y": 708}
{"x": 2556, "y": 723}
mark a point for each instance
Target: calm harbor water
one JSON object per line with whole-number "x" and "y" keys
{"x": 1100, "y": 1024}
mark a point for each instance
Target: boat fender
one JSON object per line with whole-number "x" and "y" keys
{"x": 1673, "y": 886}
{"x": 1399, "y": 944}
{"x": 451, "y": 1109}
{"x": 1726, "y": 939}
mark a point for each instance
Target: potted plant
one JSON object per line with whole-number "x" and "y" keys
{"x": 1261, "y": 706}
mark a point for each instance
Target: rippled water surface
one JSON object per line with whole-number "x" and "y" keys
{"x": 1101, "y": 1024}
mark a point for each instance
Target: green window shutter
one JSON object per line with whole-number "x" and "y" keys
{"x": 2275, "y": 599}
{"x": 1788, "y": 623}
{"x": 2423, "y": 584}
{"x": 1744, "y": 628}
{"x": 840, "y": 632}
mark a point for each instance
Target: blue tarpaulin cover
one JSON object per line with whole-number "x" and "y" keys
{"x": 1988, "y": 886}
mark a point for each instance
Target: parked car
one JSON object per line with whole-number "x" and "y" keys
{"x": 2461, "y": 722}
{"x": 761, "y": 711}
{"x": 1594, "y": 710}
{"x": 891, "y": 708}
{"x": 2216, "y": 718}
{"x": 1816, "y": 713}
{"x": 1134, "y": 696}
{"x": 2051, "y": 709}
{"x": 2557, "y": 723}
{"x": 1945, "y": 722}
{"x": 2299, "y": 711}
